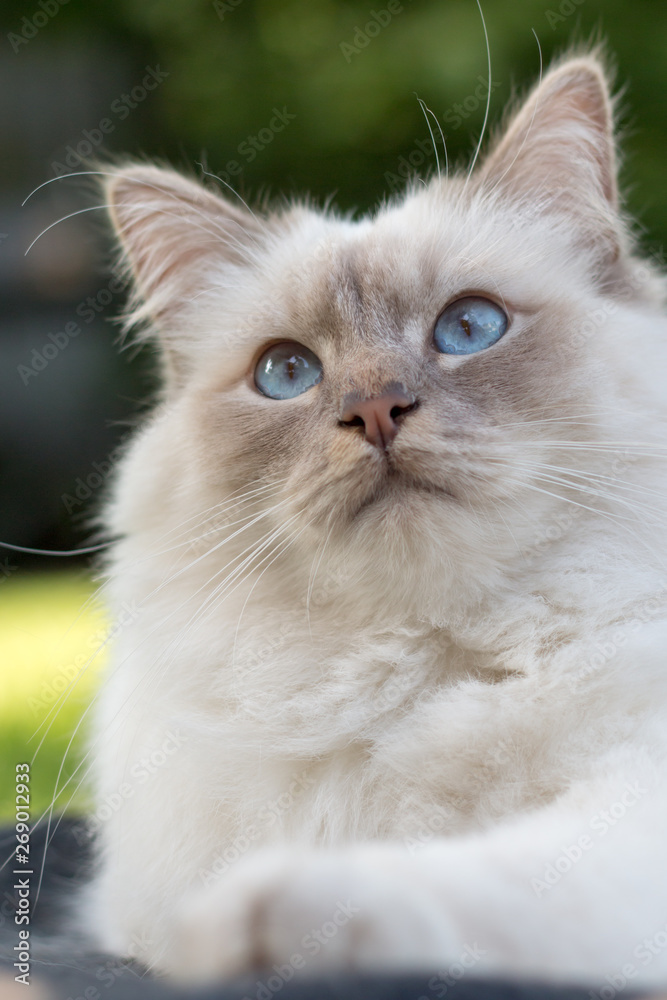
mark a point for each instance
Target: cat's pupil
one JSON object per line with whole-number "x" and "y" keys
{"x": 469, "y": 325}
{"x": 286, "y": 370}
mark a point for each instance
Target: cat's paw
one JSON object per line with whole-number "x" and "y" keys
{"x": 281, "y": 913}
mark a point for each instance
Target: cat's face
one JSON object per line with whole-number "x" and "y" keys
{"x": 394, "y": 383}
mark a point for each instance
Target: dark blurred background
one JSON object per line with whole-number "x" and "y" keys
{"x": 194, "y": 81}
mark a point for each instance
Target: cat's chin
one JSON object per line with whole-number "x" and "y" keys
{"x": 401, "y": 493}
{"x": 413, "y": 545}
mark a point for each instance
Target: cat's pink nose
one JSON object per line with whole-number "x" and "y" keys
{"x": 378, "y": 415}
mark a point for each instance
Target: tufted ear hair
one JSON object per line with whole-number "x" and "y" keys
{"x": 178, "y": 240}
{"x": 558, "y": 151}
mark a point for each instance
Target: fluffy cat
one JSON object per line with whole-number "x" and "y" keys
{"x": 393, "y": 693}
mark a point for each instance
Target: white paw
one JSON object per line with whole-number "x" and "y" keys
{"x": 281, "y": 913}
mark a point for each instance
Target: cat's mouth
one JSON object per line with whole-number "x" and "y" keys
{"x": 400, "y": 487}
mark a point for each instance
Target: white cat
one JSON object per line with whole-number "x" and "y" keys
{"x": 393, "y": 694}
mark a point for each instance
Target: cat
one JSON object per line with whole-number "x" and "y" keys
{"x": 393, "y": 692}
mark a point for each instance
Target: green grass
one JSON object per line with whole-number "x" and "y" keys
{"x": 50, "y": 634}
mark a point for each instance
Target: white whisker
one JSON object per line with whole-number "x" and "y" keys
{"x": 488, "y": 93}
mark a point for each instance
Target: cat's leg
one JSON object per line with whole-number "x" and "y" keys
{"x": 576, "y": 890}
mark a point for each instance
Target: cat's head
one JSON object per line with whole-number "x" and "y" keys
{"x": 405, "y": 390}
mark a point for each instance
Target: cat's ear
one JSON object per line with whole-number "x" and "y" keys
{"x": 178, "y": 239}
{"x": 559, "y": 152}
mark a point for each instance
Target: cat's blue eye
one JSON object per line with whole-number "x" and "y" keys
{"x": 286, "y": 370}
{"x": 469, "y": 325}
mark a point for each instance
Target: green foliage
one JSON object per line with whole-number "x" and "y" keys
{"x": 51, "y": 649}
{"x": 231, "y": 62}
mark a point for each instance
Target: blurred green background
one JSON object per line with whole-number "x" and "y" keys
{"x": 193, "y": 81}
